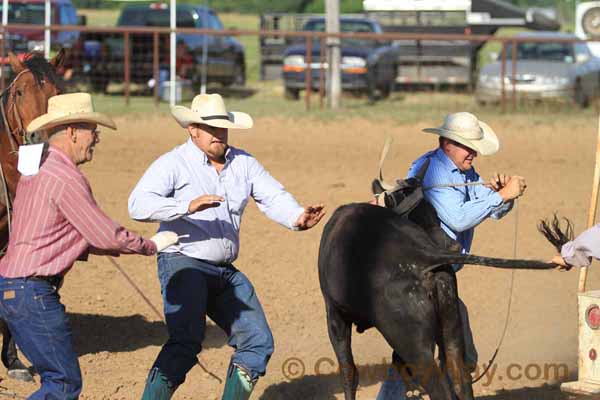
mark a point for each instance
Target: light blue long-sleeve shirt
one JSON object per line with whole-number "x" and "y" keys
{"x": 460, "y": 209}
{"x": 175, "y": 179}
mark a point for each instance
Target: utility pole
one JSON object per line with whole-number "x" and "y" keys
{"x": 334, "y": 80}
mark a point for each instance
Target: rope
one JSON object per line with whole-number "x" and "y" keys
{"x": 510, "y": 296}
{"x": 158, "y": 314}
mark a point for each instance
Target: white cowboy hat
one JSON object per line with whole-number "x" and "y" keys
{"x": 466, "y": 129}
{"x": 70, "y": 108}
{"x": 209, "y": 109}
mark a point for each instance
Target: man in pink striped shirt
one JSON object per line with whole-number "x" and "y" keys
{"x": 56, "y": 222}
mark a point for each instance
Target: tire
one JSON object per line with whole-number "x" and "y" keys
{"x": 292, "y": 93}
{"x": 385, "y": 90}
{"x": 581, "y": 99}
{"x": 239, "y": 76}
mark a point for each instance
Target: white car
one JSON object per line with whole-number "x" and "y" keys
{"x": 543, "y": 70}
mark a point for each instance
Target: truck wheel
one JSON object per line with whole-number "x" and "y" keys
{"x": 292, "y": 94}
{"x": 580, "y": 97}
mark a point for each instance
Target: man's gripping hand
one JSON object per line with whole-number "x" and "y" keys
{"x": 310, "y": 217}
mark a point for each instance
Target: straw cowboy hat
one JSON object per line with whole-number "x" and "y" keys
{"x": 466, "y": 129}
{"x": 64, "y": 109}
{"x": 209, "y": 109}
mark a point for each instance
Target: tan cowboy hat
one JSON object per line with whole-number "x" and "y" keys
{"x": 465, "y": 128}
{"x": 69, "y": 108}
{"x": 209, "y": 109}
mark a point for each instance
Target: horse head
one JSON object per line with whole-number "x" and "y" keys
{"x": 26, "y": 97}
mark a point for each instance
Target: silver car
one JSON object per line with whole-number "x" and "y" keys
{"x": 544, "y": 70}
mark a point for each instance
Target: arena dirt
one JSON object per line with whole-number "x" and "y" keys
{"x": 118, "y": 336}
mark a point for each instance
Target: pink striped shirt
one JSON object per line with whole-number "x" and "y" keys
{"x": 57, "y": 221}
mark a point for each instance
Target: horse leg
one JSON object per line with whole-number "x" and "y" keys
{"x": 451, "y": 341}
{"x": 340, "y": 334}
{"x": 10, "y": 359}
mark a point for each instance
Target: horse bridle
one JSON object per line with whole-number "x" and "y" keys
{"x": 18, "y": 132}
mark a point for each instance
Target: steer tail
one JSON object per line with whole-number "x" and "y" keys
{"x": 452, "y": 258}
{"x": 554, "y": 233}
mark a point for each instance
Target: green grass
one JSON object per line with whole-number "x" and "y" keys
{"x": 402, "y": 107}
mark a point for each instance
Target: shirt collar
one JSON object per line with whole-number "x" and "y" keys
{"x": 61, "y": 156}
{"x": 448, "y": 163}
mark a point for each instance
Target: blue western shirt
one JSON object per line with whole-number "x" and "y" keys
{"x": 460, "y": 209}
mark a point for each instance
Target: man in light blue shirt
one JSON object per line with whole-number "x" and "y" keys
{"x": 201, "y": 189}
{"x": 461, "y": 208}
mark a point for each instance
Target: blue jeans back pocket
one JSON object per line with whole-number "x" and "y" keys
{"x": 12, "y": 300}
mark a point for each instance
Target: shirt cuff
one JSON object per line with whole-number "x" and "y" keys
{"x": 295, "y": 215}
{"x": 573, "y": 256}
{"x": 496, "y": 199}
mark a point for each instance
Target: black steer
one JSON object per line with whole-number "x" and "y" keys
{"x": 380, "y": 269}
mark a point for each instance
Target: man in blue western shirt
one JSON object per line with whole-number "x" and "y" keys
{"x": 460, "y": 209}
{"x": 201, "y": 189}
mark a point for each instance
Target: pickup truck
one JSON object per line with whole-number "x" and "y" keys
{"x": 368, "y": 65}
{"x": 33, "y": 12}
{"x": 102, "y": 55}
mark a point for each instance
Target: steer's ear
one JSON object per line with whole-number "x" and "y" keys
{"x": 423, "y": 170}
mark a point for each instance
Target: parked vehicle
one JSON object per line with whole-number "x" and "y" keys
{"x": 367, "y": 65}
{"x": 103, "y": 55}
{"x": 33, "y": 12}
{"x": 544, "y": 70}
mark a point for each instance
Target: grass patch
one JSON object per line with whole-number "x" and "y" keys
{"x": 265, "y": 99}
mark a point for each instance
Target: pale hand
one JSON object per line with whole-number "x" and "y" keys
{"x": 561, "y": 265}
{"x": 203, "y": 202}
{"x": 310, "y": 217}
{"x": 164, "y": 239}
{"x": 514, "y": 188}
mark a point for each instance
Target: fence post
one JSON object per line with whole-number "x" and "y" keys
{"x": 126, "y": 66}
{"x": 514, "y": 75}
{"x": 323, "y": 61}
{"x": 2, "y": 57}
{"x": 308, "y": 71}
{"x": 155, "y": 62}
{"x": 503, "y": 77}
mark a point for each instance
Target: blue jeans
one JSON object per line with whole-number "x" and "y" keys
{"x": 41, "y": 329}
{"x": 191, "y": 290}
{"x": 394, "y": 387}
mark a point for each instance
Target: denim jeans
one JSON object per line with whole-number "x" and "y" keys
{"x": 41, "y": 329}
{"x": 394, "y": 387}
{"x": 191, "y": 290}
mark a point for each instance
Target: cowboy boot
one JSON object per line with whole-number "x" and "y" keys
{"x": 158, "y": 386}
{"x": 239, "y": 385}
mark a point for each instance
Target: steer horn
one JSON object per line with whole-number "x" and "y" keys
{"x": 380, "y": 185}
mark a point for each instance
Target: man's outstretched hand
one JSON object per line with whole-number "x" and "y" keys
{"x": 310, "y": 217}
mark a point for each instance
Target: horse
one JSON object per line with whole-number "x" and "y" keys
{"x": 25, "y": 98}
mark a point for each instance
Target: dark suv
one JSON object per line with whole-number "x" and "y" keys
{"x": 103, "y": 54}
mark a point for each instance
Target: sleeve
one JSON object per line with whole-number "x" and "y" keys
{"x": 78, "y": 206}
{"x": 152, "y": 199}
{"x": 580, "y": 251}
{"x": 452, "y": 209}
{"x": 271, "y": 197}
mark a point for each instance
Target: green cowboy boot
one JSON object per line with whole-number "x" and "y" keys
{"x": 239, "y": 385}
{"x": 157, "y": 386}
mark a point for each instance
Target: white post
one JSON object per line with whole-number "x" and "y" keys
{"x": 48, "y": 20}
{"x": 204, "y": 49}
{"x": 4, "y": 23}
{"x": 4, "y": 12}
{"x": 334, "y": 80}
{"x": 173, "y": 54}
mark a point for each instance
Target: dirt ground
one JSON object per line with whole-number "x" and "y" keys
{"x": 118, "y": 336}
